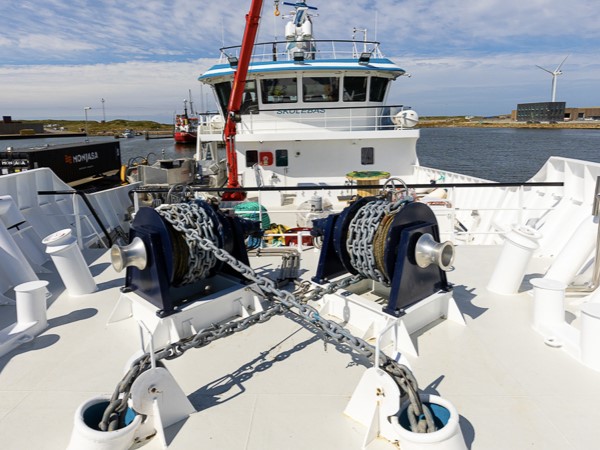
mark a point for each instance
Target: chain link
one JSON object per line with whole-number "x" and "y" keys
{"x": 280, "y": 300}
{"x": 194, "y": 225}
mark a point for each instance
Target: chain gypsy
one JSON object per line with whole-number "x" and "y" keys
{"x": 420, "y": 417}
{"x": 194, "y": 225}
{"x": 367, "y": 228}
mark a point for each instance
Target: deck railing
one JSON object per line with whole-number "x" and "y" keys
{"x": 292, "y": 118}
{"x": 323, "y": 49}
{"x": 450, "y": 209}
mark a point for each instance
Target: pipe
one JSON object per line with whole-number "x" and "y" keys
{"x": 596, "y": 273}
{"x": 519, "y": 245}
{"x": 575, "y": 252}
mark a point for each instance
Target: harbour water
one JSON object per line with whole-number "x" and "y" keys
{"x": 503, "y": 154}
{"x": 498, "y": 154}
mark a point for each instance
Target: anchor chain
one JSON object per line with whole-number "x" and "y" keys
{"x": 193, "y": 224}
{"x": 365, "y": 233}
{"x": 419, "y": 416}
{"x": 114, "y": 413}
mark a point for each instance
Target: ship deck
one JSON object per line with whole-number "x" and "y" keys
{"x": 279, "y": 385}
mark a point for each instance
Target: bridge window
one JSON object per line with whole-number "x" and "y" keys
{"x": 378, "y": 88}
{"x": 279, "y": 90}
{"x": 321, "y": 89}
{"x": 355, "y": 89}
{"x": 223, "y": 91}
{"x": 249, "y": 98}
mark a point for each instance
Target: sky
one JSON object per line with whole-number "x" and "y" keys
{"x": 465, "y": 57}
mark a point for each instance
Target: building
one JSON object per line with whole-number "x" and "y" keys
{"x": 591, "y": 113}
{"x": 541, "y": 112}
{"x": 8, "y": 126}
{"x": 553, "y": 112}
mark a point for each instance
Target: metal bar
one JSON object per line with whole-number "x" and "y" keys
{"x": 370, "y": 186}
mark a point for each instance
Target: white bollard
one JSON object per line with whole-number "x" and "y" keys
{"x": 590, "y": 335}
{"x": 31, "y": 303}
{"x": 31, "y": 316}
{"x": 448, "y": 435}
{"x": 519, "y": 245}
{"x": 87, "y": 436}
{"x": 548, "y": 304}
{"x": 72, "y": 268}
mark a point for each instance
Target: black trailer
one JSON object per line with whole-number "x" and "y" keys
{"x": 75, "y": 164}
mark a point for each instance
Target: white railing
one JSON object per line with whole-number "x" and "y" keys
{"x": 486, "y": 212}
{"x": 325, "y": 49}
{"x": 293, "y": 118}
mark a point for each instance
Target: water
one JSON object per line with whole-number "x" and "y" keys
{"x": 503, "y": 154}
{"x": 498, "y": 154}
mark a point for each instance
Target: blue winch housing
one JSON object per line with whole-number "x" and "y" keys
{"x": 400, "y": 234}
{"x": 159, "y": 281}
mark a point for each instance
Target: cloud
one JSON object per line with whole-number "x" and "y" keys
{"x": 493, "y": 84}
{"x": 45, "y": 43}
{"x": 133, "y": 89}
{"x": 466, "y": 56}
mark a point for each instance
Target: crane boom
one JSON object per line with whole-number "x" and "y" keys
{"x": 235, "y": 100}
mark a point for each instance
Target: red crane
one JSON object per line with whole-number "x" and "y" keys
{"x": 235, "y": 100}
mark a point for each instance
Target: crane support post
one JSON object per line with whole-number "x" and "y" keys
{"x": 237, "y": 91}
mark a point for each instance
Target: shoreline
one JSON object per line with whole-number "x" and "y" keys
{"x": 453, "y": 122}
{"x": 39, "y": 136}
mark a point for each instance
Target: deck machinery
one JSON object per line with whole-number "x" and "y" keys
{"x": 166, "y": 264}
{"x": 393, "y": 243}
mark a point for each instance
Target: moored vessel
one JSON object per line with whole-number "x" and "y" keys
{"x": 186, "y": 126}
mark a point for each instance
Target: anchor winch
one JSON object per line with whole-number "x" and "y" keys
{"x": 394, "y": 243}
{"x": 165, "y": 262}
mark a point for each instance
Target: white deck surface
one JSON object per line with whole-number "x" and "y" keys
{"x": 277, "y": 386}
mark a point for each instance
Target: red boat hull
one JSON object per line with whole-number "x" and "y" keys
{"x": 183, "y": 137}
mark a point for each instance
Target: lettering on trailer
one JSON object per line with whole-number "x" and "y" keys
{"x": 81, "y": 157}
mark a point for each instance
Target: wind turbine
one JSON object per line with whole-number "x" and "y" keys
{"x": 554, "y": 74}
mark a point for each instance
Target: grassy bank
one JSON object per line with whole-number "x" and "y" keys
{"x": 480, "y": 122}
{"x": 102, "y": 128}
{"x": 118, "y": 126}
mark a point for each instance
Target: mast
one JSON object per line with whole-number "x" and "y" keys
{"x": 235, "y": 100}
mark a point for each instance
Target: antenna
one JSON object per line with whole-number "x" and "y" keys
{"x": 191, "y": 102}
{"x": 222, "y": 33}
{"x": 556, "y": 72}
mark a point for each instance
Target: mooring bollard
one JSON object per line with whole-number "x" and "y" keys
{"x": 72, "y": 268}
{"x": 519, "y": 245}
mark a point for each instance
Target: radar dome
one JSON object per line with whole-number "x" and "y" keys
{"x": 406, "y": 119}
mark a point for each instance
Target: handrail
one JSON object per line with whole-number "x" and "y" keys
{"x": 354, "y": 186}
{"x": 350, "y": 41}
{"x": 90, "y": 207}
{"x": 272, "y": 49}
{"x": 347, "y": 116}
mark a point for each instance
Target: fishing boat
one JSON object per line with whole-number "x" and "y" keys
{"x": 186, "y": 126}
{"x": 391, "y": 306}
